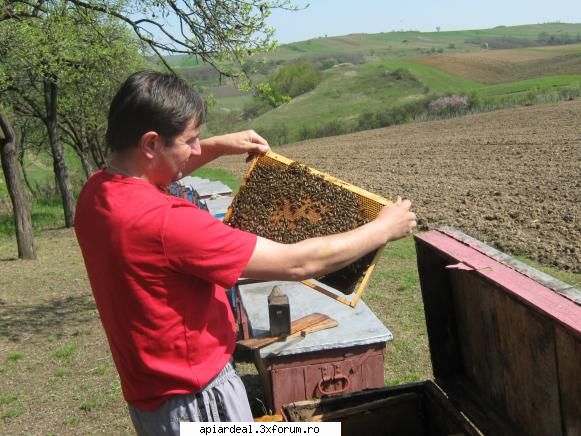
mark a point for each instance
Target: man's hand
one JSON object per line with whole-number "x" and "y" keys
{"x": 247, "y": 141}
{"x": 397, "y": 220}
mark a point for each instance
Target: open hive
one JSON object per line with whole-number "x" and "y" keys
{"x": 288, "y": 202}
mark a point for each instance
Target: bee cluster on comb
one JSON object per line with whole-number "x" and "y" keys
{"x": 288, "y": 204}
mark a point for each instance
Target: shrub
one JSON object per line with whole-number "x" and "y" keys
{"x": 255, "y": 108}
{"x": 295, "y": 79}
{"x": 450, "y": 104}
{"x": 277, "y": 135}
{"x": 476, "y": 101}
{"x": 331, "y": 128}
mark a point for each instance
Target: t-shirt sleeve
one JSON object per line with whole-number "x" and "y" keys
{"x": 196, "y": 243}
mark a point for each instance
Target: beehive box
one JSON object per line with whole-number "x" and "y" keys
{"x": 505, "y": 348}
{"x": 346, "y": 358}
{"x": 287, "y": 202}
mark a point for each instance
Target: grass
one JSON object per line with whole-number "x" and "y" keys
{"x": 532, "y": 85}
{"x": 14, "y": 357}
{"x": 394, "y": 296}
{"x": 65, "y": 353}
{"x": 7, "y": 399}
{"x": 55, "y": 354}
{"x": 224, "y": 176}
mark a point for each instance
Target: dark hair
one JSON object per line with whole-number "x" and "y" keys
{"x": 151, "y": 101}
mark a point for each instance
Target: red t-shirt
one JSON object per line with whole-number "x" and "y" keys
{"x": 157, "y": 266}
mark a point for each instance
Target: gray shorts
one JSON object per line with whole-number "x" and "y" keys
{"x": 223, "y": 399}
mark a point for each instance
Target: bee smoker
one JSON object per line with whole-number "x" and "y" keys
{"x": 279, "y": 313}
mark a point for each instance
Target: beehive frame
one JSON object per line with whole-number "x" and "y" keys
{"x": 370, "y": 203}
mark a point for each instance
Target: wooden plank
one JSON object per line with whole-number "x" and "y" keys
{"x": 399, "y": 415}
{"x": 533, "y": 294}
{"x": 322, "y": 356}
{"x": 564, "y": 289}
{"x": 527, "y": 347}
{"x": 365, "y": 371}
{"x": 326, "y": 292}
{"x": 307, "y": 324}
{"x": 288, "y": 384}
{"x": 475, "y": 309}
{"x": 364, "y": 407}
{"x": 569, "y": 362}
{"x": 485, "y": 415}
{"x": 438, "y": 307}
{"x": 443, "y": 418}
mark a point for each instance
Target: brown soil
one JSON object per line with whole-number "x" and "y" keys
{"x": 510, "y": 178}
{"x": 503, "y": 66}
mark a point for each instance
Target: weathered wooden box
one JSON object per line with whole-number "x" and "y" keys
{"x": 505, "y": 343}
{"x": 346, "y": 358}
{"x": 412, "y": 410}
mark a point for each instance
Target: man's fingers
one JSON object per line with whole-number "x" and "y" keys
{"x": 251, "y": 156}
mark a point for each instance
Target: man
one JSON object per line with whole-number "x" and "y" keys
{"x": 158, "y": 265}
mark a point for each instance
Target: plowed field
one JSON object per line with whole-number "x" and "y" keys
{"x": 503, "y": 66}
{"x": 511, "y": 178}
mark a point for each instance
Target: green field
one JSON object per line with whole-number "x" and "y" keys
{"x": 355, "y": 75}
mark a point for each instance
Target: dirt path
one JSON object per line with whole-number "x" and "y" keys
{"x": 511, "y": 178}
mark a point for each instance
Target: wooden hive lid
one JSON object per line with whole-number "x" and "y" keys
{"x": 505, "y": 341}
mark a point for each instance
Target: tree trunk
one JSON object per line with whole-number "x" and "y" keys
{"x": 23, "y": 168}
{"x": 87, "y": 167}
{"x": 98, "y": 154}
{"x": 83, "y": 153}
{"x": 22, "y": 219}
{"x": 61, "y": 170}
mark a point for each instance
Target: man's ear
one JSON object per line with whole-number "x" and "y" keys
{"x": 149, "y": 143}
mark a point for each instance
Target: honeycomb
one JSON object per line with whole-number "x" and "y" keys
{"x": 287, "y": 202}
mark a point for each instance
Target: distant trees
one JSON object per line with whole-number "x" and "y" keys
{"x": 546, "y": 38}
{"x": 282, "y": 86}
{"x": 508, "y": 42}
{"x": 294, "y": 79}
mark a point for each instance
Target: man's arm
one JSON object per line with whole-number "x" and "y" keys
{"x": 317, "y": 256}
{"x": 247, "y": 141}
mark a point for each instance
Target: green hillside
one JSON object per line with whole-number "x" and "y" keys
{"x": 496, "y": 67}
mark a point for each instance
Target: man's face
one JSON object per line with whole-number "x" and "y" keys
{"x": 171, "y": 159}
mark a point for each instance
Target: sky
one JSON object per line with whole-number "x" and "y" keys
{"x": 341, "y": 17}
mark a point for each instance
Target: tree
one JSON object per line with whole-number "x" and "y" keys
{"x": 36, "y": 61}
{"x": 55, "y": 79}
{"x": 10, "y": 168}
{"x": 22, "y": 218}
{"x": 215, "y": 31}
{"x": 218, "y": 32}
{"x": 88, "y": 91}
